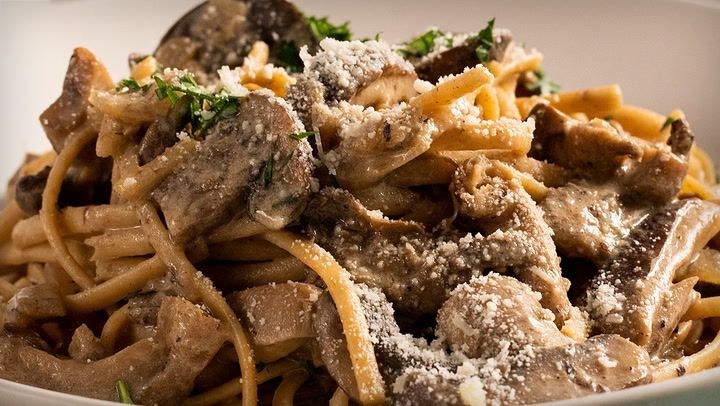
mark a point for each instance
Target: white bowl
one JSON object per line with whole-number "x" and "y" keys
{"x": 664, "y": 54}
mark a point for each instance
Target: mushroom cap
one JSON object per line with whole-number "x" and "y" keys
{"x": 495, "y": 313}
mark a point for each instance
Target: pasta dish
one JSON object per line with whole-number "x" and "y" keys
{"x": 268, "y": 210}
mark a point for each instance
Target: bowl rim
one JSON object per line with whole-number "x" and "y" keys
{"x": 653, "y": 391}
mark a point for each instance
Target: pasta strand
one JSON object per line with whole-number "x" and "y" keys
{"x": 49, "y": 213}
{"x": 362, "y": 354}
{"x": 174, "y": 256}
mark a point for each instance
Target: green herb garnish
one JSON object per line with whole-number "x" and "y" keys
{"x": 668, "y": 122}
{"x": 542, "y": 85}
{"x": 288, "y": 57}
{"x": 302, "y": 135}
{"x": 123, "y": 392}
{"x": 375, "y": 38}
{"x": 485, "y": 37}
{"x": 205, "y": 108}
{"x": 132, "y": 85}
{"x": 322, "y": 28}
{"x": 165, "y": 90}
{"x": 421, "y": 45}
{"x": 268, "y": 171}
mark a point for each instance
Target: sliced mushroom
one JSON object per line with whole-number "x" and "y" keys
{"x": 379, "y": 252}
{"x": 600, "y": 364}
{"x": 513, "y": 234}
{"x": 418, "y": 374}
{"x": 72, "y": 111}
{"x": 85, "y": 183}
{"x": 29, "y": 189}
{"x": 333, "y": 346}
{"x": 596, "y": 151}
{"x": 346, "y": 69}
{"x": 88, "y": 179}
{"x": 394, "y": 351}
{"x": 495, "y": 313}
{"x": 366, "y": 145}
{"x": 588, "y": 221}
{"x": 221, "y": 32}
{"x": 681, "y": 137}
{"x": 363, "y": 73}
{"x": 629, "y": 295}
{"x": 84, "y": 346}
{"x": 158, "y": 370}
{"x": 417, "y": 269}
{"x": 279, "y": 316}
{"x": 162, "y": 133}
{"x": 247, "y": 162}
{"x": 33, "y": 303}
{"x": 452, "y": 61}
{"x": 395, "y": 84}
{"x": 675, "y": 304}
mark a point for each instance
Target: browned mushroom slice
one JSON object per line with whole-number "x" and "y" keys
{"x": 588, "y": 221}
{"x": 370, "y": 144}
{"x": 88, "y": 180}
{"x": 395, "y": 84}
{"x": 86, "y": 183}
{"x": 628, "y": 295}
{"x": 333, "y": 346}
{"x": 394, "y": 350}
{"x": 162, "y": 133}
{"x": 514, "y": 233}
{"x": 85, "y": 346}
{"x": 598, "y": 152}
{"x": 279, "y": 316}
{"x": 363, "y": 73}
{"x": 33, "y": 303}
{"x": 681, "y": 137}
{"x": 417, "y": 374}
{"x": 417, "y": 269}
{"x": 452, "y": 61}
{"x": 29, "y": 189}
{"x": 600, "y": 364}
{"x": 495, "y": 313}
{"x": 159, "y": 370}
{"x": 675, "y": 304}
{"x": 221, "y": 32}
{"x": 375, "y": 250}
{"x": 72, "y": 111}
{"x": 247, "y": 162}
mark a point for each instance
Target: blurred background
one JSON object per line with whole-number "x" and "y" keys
{"x": 664, "y": 54}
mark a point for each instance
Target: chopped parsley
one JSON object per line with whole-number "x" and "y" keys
{"x": 541, "y": 85}
{"x": 267, "y": 173}
{"x": 322, "y": 28}
{"x": 288, "y": 57}
{"x": 485, "y": 37}
{"x": 421, "y": 45}
{"x": 668, "y": 122}
{"x": 375, "y": 38}
{"x": 123, "y": 392}
{"x": 132, "y": 85}
{"x": 206, "y": 108}
{"x": 302, "y": 135}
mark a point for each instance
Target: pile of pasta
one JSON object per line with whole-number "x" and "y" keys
{"x": 102, "y": 254}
